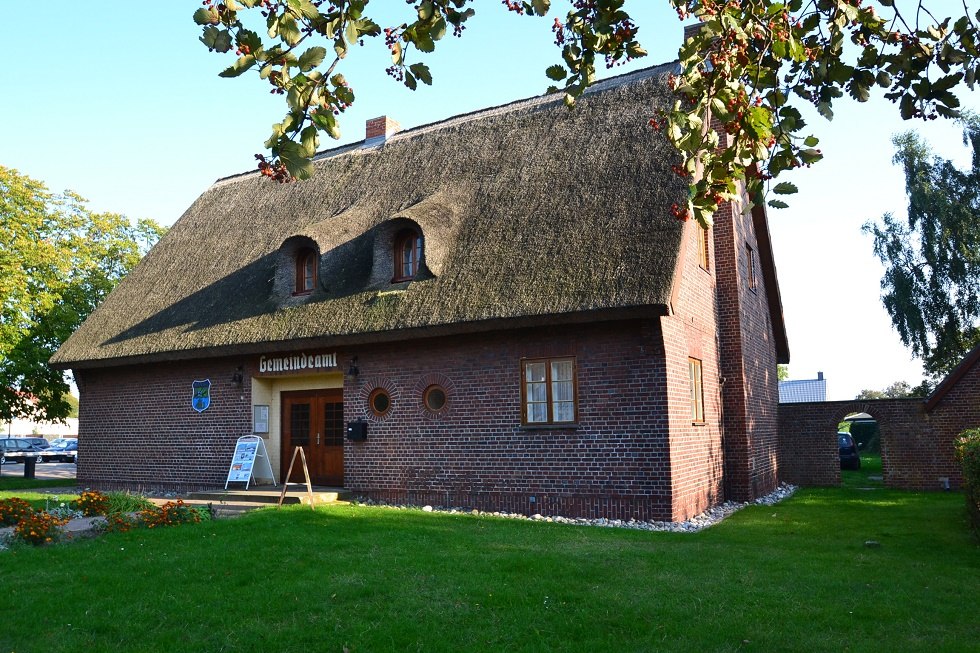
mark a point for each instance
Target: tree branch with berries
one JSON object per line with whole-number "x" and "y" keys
{"x": 749, "y": 68}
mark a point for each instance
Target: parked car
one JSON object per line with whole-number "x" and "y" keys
{"x": 849, "y": 457}
{"x": 15, "y": 450}
{"x": 65, "y": 451}
{"x": 38, "y": 442}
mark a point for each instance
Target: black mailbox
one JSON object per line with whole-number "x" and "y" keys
{"x": 357, "y": 431}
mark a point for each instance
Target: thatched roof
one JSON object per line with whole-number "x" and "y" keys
{"x": 531, "y": 214}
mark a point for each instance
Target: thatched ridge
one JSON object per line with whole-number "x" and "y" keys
{"x": 531, "y": 213}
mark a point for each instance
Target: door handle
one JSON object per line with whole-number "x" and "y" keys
{"x": 318, "y": 439}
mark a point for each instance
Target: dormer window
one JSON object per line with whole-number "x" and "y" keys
{"x": 305, "y": 271}
{"x": 407, "y": 255}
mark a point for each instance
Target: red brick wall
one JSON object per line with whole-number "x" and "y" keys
{"x": 748, "y": 362}
{"x": 957, "y": 410}
{"x": 696, "y": 455}
{"x": 137, "y": 429}
{"x": 916, "y": 446}
{"x": 615, "y": 464}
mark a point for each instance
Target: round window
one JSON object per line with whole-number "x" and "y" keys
{"x": 380, "y": 402}
{"x": 434, "y": 398}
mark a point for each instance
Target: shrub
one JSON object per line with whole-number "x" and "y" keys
{"x": 126, "y": 502}
{"x": 116, "y": 522}
{"x": 170, "y": 514}
{"x": 39, "y": 528}
{"x": 92, "y": 503}
{"x": 13, "y": 510}
{"x": 967, "y": 447}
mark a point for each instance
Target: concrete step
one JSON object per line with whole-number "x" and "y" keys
{"x": 269, "y": 496}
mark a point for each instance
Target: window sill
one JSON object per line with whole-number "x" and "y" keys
{"x": 572, "y": 426}
{"x": 699, "y": 423}
{"x": 303, "y": 293}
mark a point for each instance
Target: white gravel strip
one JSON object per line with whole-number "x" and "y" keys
{"x": 694, "y": 524}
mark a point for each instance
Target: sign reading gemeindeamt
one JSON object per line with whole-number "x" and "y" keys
{"x": 297, "y": 362}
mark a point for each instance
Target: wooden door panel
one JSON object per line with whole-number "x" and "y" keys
{"x": 331, "y": 450}
{"x": 314, "y": 420}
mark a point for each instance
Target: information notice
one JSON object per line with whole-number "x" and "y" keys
{"x": 250, "y": 462}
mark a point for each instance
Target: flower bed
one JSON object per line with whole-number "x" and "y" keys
{"x": 120, "y": 512}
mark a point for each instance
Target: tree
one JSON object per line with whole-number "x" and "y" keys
{"x": 748, "y": 67}
{"x": 931, "y": 286}
{"x": 58, "y": 260}
{"x": 782, "y": 372}
{"x": 897, "y": 390}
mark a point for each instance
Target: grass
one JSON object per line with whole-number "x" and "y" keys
{"x": 869, "y": 477}
{"x": 20, "y": 483}
{"x": 792, "y": 577}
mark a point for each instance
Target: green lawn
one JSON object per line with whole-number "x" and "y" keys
{"x": 869, "y": 477}
{"x": 792, "y": 577}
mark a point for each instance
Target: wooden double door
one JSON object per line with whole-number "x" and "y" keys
{"x": 314, "y": 420}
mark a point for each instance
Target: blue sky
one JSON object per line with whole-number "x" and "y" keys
{"x": 120, "y": 103}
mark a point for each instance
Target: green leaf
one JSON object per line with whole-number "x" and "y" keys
{"x": 541, "y": 7}
{"x": 289, "y": 30}
{"x": 635, "y": 51}
{"x": 811, "y": 141}
{"x": 215, "y": 39}
{"x": 397, "y": 53}
{"x": 556, "y": 72}
{"x": 759, "y": 122}
{"x": 785, "y": 188}
{"x": 778, "y": 204}
{"x": 907, "y": 107}
{"x": 241, "y": 64}
{"x": 312, "y": 58}
{"x": 810, "y": 155}
{"x": 293, "y": 157}
{"x": 249, "y": 39}
{"x": 310, "y": 140}
{"x": 206, "y": 17}
{"x": 410, "y": 81}
{"x": 859, "y": 91}
{"x": 350, "y": 31}
{"x": 309, "y": 10}
{"x": 424, "y": 42}
{"x": 438, "y": 29}
{"x": 426, "y": 10}
{"x": 421, "y": 71}
{"x": 325, "y": 120}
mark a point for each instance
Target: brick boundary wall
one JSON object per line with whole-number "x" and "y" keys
{"x": 916, "y": 446}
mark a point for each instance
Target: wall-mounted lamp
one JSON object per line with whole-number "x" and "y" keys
{"x": 352, "y": 370}
{"x": 238, "y": 378}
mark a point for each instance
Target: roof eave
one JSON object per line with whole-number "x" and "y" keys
{"x": 768, "y": 264}
{"x": 953, "y": 378}
{"x": 375, "y": 337}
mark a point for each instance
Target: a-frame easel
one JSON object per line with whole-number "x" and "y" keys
{"x": 306, "y": 473}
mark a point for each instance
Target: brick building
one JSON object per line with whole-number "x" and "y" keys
{"x": 503, "y": 298}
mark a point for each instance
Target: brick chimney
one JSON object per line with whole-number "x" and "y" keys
{"x": 691, "y": 30}
{"x": 378, "y": 130}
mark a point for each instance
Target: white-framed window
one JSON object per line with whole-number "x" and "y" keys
{"x": 697, "y": 390}
{"x": 549, "y": 391}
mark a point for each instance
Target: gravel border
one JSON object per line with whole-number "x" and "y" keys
{"x": 695, "y": 524}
